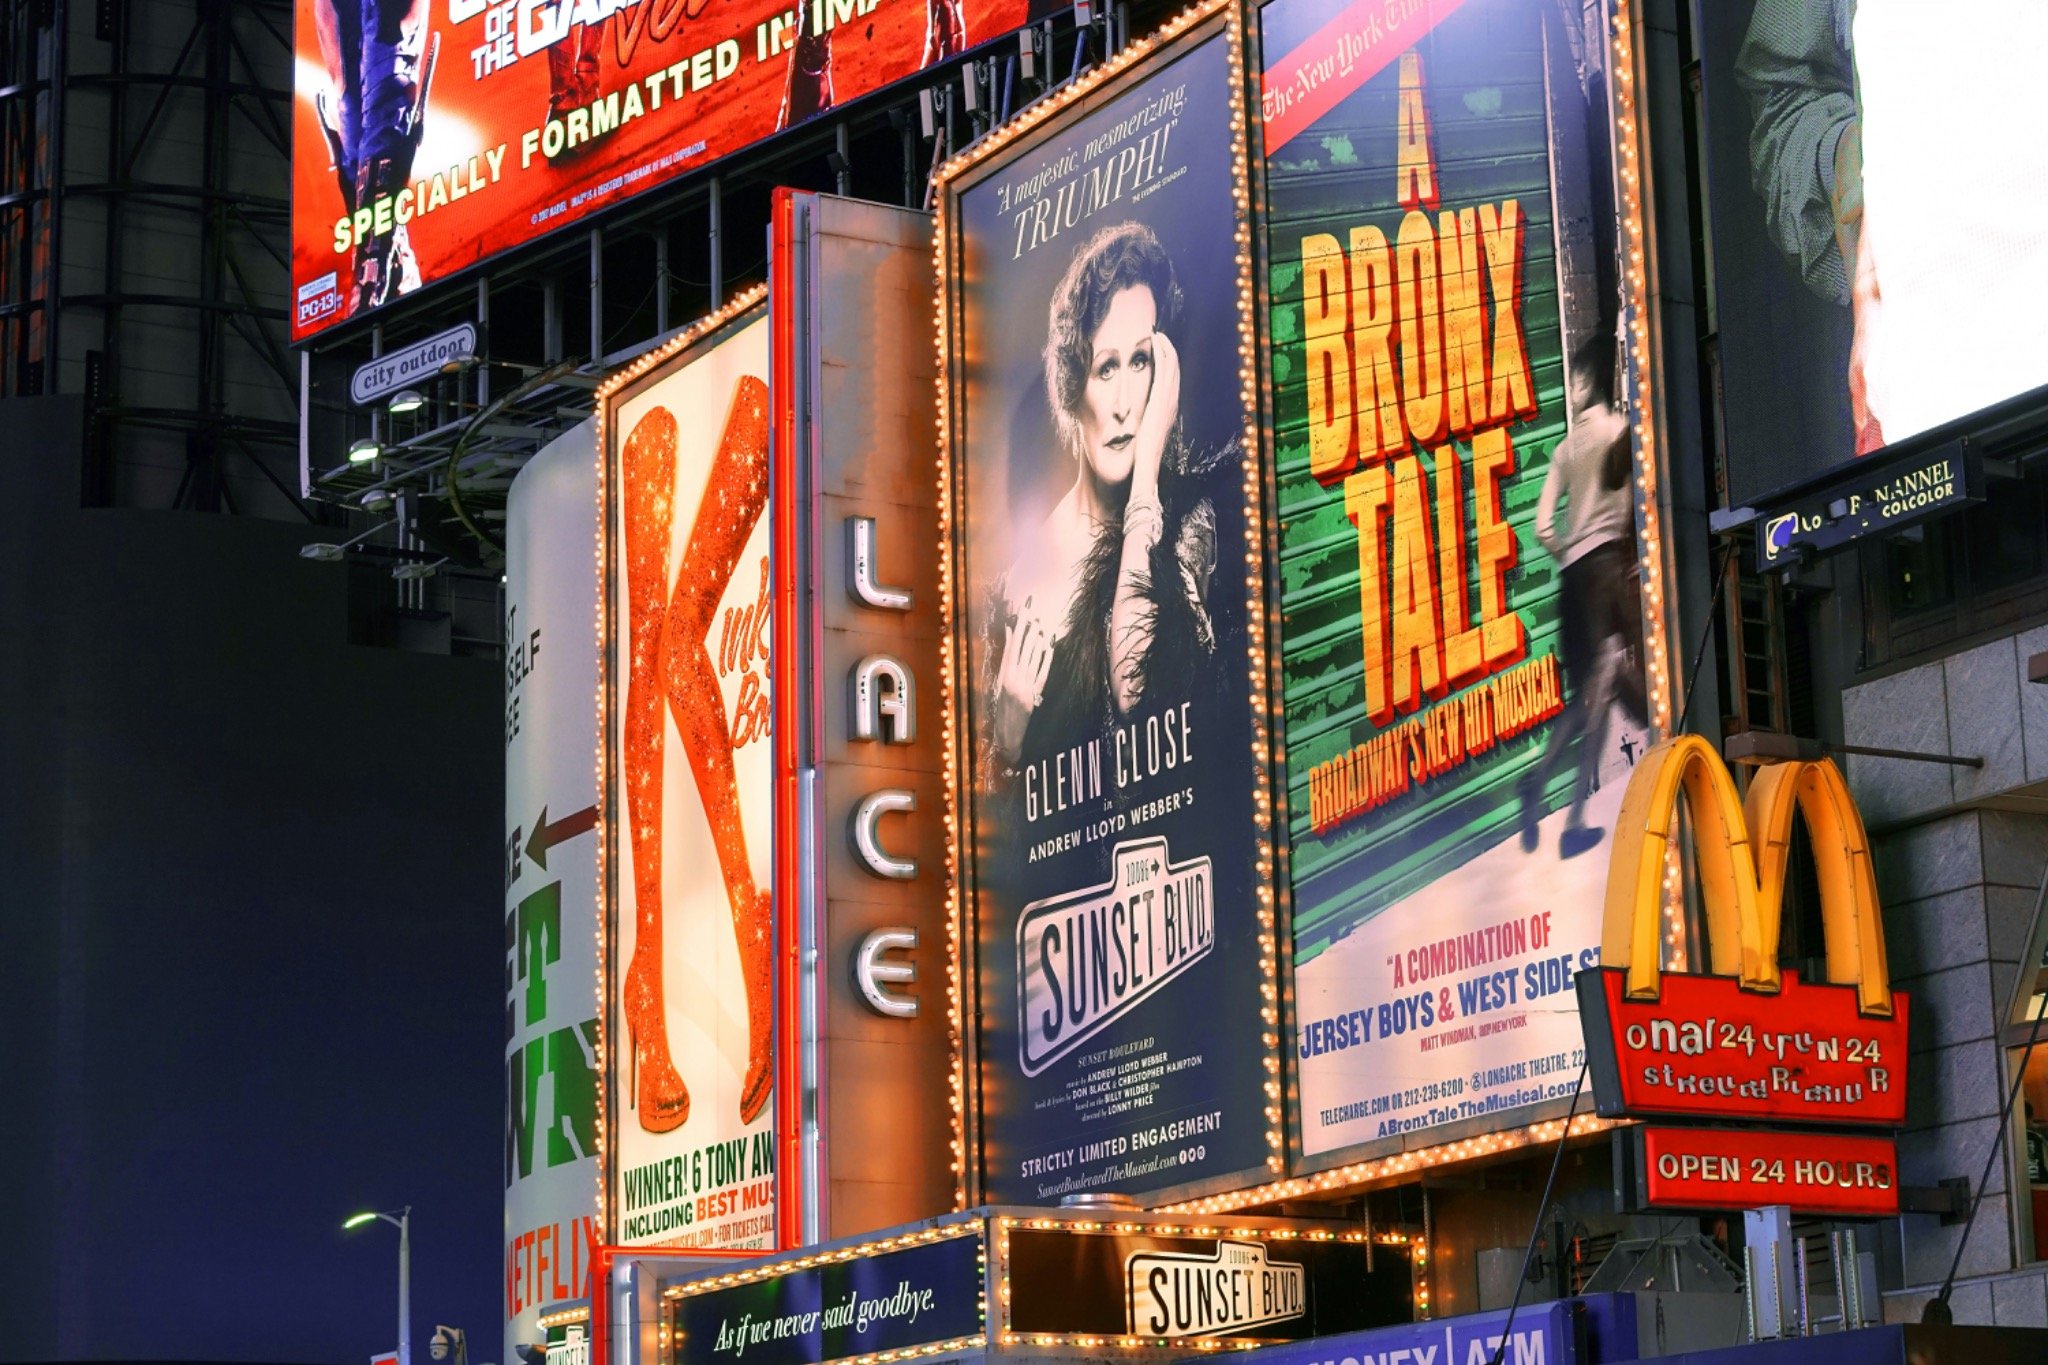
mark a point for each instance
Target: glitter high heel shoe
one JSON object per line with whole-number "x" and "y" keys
{"x": 734, "y": 498}
{"x": 647, "y": 493}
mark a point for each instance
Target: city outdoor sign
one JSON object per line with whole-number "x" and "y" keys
{"x": 388, "y": 373}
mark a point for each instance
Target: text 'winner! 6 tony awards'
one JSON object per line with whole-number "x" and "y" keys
{"x": 1100, "y": 520}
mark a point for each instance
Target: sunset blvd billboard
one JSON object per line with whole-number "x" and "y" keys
{"x": 1109, "y": 678}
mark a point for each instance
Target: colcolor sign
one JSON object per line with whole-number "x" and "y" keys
{"x": 1883, "y": 493}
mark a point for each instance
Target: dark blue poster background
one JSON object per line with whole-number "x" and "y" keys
{"x": 847, "y": 1308}
{"x": 1112, "y": 786}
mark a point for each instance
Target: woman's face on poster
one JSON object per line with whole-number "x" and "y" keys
{"x": 1119, "y": 383}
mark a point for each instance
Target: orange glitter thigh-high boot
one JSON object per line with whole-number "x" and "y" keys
{"x": 647, "y": 477}
{"x": 733, "y": 500}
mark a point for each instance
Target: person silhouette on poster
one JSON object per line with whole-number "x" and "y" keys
{"x": 1600, "y": 613}
{"x": 380, "y": 64}
{"x": 1107, "y": 604}
{"x": 1876, "y": 147}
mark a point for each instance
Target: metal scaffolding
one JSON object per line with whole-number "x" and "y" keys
{"x": 144, "y": 248}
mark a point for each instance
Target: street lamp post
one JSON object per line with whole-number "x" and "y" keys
{"x": 402, "y": 1220}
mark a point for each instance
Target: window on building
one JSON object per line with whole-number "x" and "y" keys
{"x": 1978, "y": 571}
{"x": 2027, "y": 1039}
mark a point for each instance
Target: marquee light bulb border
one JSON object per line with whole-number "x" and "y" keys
{"x": 1382, "y": 1170}
{"x": 787, "y": 1263}
{"x": 1005, "y": 1334}
{"x": 1655, "y": 555}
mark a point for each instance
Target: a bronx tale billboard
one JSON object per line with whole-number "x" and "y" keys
{"x": 861, "y": 801}
{"x": 551, "y": 861}
{"x": 1462, "y": 664}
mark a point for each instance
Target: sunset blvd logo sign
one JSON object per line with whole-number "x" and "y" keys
{"x": 1086, "y": 959}
{"x": 1233, "y": 1288}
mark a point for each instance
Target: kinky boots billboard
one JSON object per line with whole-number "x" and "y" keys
{"x": 1748, "y": 1042}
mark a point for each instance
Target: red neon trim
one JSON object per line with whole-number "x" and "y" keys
{"x": 601, "y": 1284}
{"x": 788, "y": 860}
{"x": 600, "y": 1304}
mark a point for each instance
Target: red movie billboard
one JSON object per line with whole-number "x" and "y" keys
{"x": 428, "y": 135}
{"x": 1829, "y": 1174}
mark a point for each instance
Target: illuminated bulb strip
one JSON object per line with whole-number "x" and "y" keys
{"x": 1638, "y": 305}
{"x": 788, "y": 1264}
{"x": 580, "y": 1313}
{"x": 1344, "y": 1179}
{"x": 949, "y": 662}
{"x": 931, "y": 1348}
{"x": 1038, "y": 113}
{"x": 1253, "y": 492}
{"x": 612, "y": 383}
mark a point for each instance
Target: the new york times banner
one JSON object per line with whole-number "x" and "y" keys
{"x": 1101, "y": 533}
{"x": 1231, "y": 1288}
{"x": 898, "y": 1301}
{"x": 1462, "y": 640}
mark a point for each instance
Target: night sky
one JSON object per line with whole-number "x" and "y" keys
{"x": 254, "y": 941}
